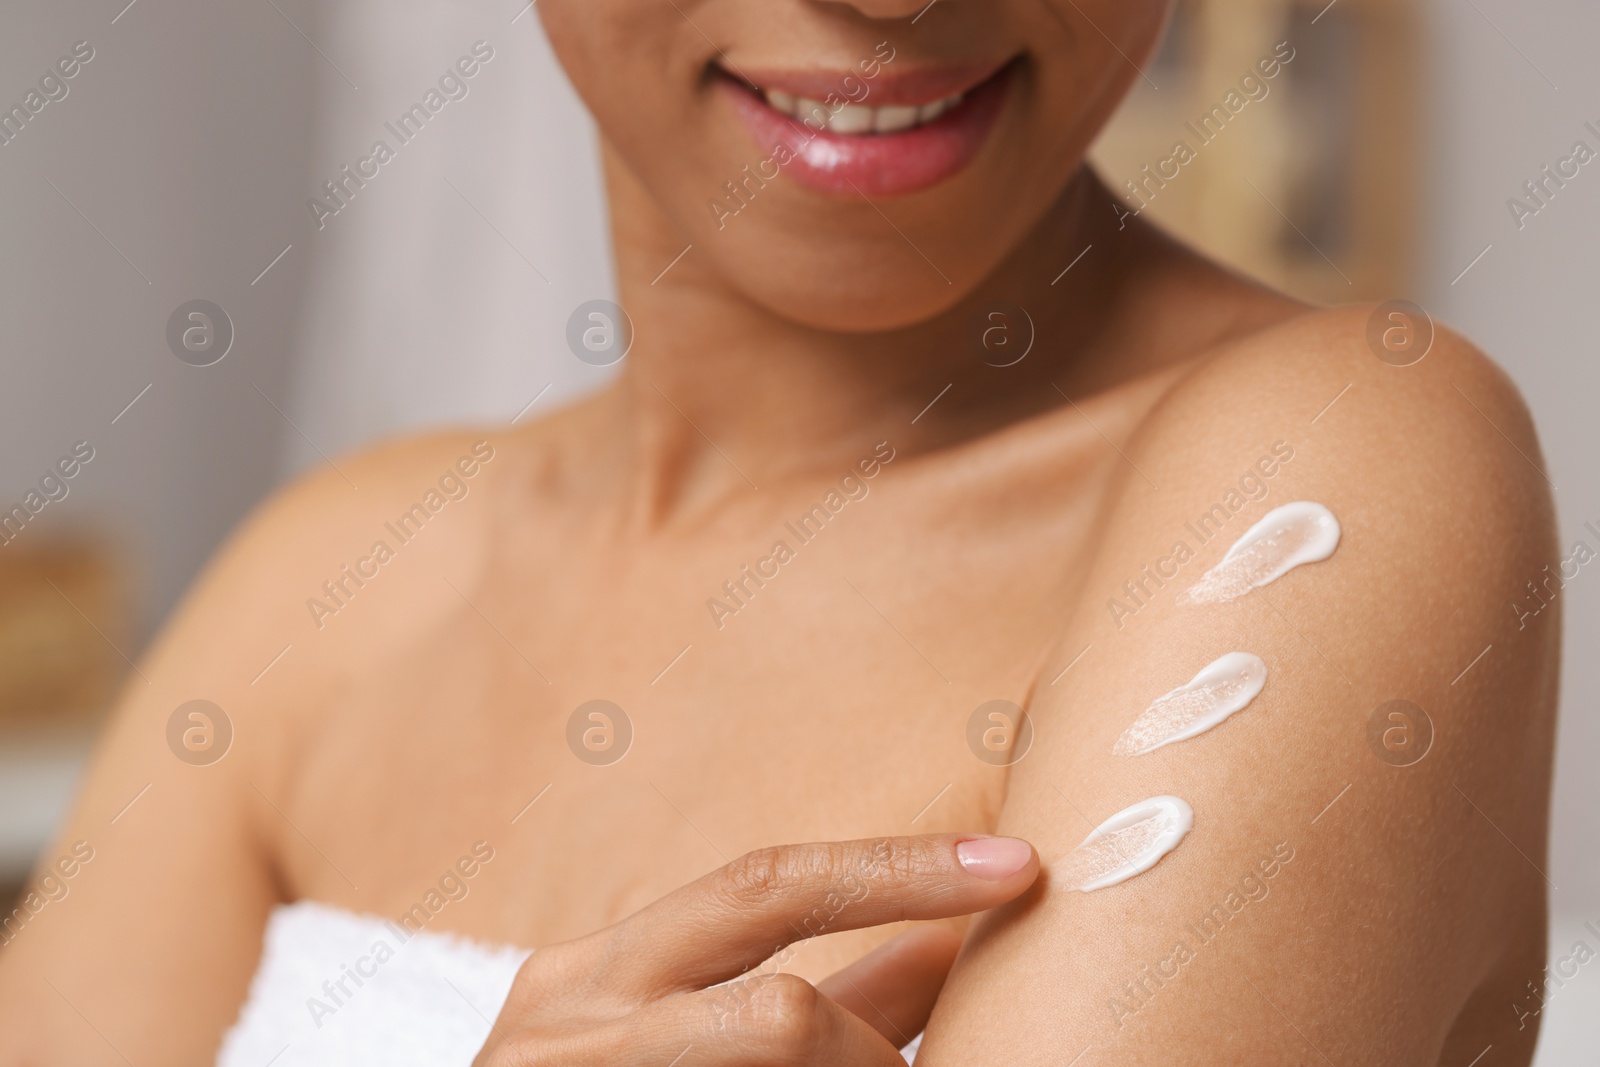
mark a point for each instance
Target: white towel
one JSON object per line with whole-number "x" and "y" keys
{"x": 430, "y": 1001}
{"x": 422, "y": 1000}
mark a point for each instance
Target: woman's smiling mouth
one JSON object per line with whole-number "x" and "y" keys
{"x": 859, "y": 118}
{"x": 898, "y": 132}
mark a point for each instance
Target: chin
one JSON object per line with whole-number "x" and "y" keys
{"x": 864, "y": 285}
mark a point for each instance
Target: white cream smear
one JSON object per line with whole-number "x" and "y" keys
{"x": 1221, "y": 688}
{"x": 1302, "y": 532}
{"x": 1129, "y": 843}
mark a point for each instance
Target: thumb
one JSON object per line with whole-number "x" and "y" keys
{"x": 893, "y": 988}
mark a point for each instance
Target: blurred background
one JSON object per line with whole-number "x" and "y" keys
{"x": 178, "y": 160}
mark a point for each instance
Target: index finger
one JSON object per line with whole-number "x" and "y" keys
{"x": 727, "y": 922}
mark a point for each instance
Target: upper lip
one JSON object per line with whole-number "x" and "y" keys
{"x": 911, "y": 86}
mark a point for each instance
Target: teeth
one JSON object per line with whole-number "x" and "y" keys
{"x": 812, "y": 112}
{"x": 857, "y": 119}
{"x": 852, "y": 118}
{"x": 929, "y": 112}
{"x": 891, "y": 119}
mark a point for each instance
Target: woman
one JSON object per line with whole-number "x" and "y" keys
{"x": 917, "y": 426}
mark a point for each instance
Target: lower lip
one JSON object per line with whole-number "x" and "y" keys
{"x": 884, "y": 164}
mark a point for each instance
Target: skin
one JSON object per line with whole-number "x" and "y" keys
{"x": 426, "y": 713}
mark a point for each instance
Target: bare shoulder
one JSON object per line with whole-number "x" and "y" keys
{"x": 338, "y": 531}
{"x": 1400, "y": 421}
{"x": 339, "y": 494}
{"x": 1360, "y": 525}
{"x": 1393, "y": 364}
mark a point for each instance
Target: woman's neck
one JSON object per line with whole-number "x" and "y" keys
{"x": 719, "y": 394}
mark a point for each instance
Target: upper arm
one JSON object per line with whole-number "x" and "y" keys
{"x": 1328, "y": 903}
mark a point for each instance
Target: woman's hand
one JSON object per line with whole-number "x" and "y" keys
{"x": 637, "y": 992}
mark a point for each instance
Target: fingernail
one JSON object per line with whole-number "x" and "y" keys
{"x": 993, "y": 858}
